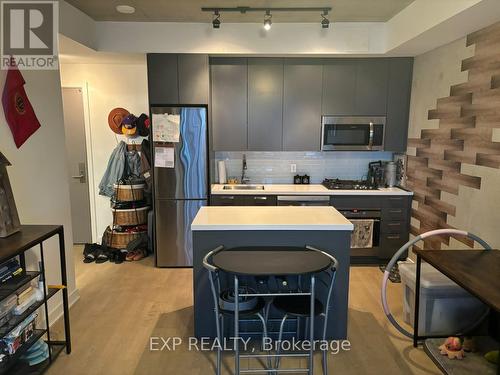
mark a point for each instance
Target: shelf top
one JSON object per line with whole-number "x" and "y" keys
{"x": 26, "y": 238}
{"x": 474, "y": 270}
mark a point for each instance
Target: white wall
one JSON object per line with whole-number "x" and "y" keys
{"x": 433, "y": 74}
{"x": 106, "y": 86}
{"x": 39, "y": 173}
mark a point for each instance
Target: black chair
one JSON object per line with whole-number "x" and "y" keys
{"x": 220, "y": 313}
{"x": 300, "y": 307}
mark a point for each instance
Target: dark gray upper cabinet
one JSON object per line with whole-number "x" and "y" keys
{"x": 229, "y": 103}
{"x": 398, "y": 103}
{"x": 339, "y": 87}
{"x": 265, "y": 104}
{"x": 193, "y": 79}
{"x": 371, "y": 87}
{"x": 163, "y": 83}
{"x": 302, "y": 105}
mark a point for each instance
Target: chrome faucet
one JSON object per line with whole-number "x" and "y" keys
{"x": 244, "y": 167}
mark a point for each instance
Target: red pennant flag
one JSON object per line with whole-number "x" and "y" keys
{"x": 17, "y": 108}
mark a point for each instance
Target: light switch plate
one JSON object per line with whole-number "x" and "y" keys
{"x": 293, "y": 168}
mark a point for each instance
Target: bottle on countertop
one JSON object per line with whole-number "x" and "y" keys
{"x": 306, "y": 179}
{"x": 297, "y": 180}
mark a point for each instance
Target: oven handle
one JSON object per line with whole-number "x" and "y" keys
{"x": 303, "y": 198}
{"x": 370, "y": 142}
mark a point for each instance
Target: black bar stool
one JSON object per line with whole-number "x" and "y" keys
{"x": 299, "y": 306}
{"x": 254, "y": 309}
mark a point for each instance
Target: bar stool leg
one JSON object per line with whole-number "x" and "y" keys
{"x": 236, "y": 326}
{"x": 325, "y": 351}
{"x": 280, "y": 336}
{"x": 220, "y": 336}
{"x": 311, "y": 335}
{"x": 264, "y": 336}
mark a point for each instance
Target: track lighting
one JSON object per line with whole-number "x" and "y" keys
{"x": 267, "y": 20}
{"x": 325, "y": 22}
{"x": 216, "y": 20}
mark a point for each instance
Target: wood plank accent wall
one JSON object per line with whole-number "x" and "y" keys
{"x": 465, "y": 135}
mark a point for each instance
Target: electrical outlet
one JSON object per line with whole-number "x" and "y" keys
{"x": 293, "y": 168}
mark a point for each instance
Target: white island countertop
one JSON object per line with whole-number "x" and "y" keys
{"x": 312, "y": 189}
{"x": 270, "y": 218}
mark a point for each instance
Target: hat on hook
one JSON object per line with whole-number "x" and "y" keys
{"x": 129, "y": 125}
{"x": 115, "y": 119}
{"x": 143, "y": 125}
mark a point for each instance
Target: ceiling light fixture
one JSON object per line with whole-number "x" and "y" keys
{"x": 267, "y": 20}
{"x": 216, "y": 20}
{"x": 125, "y": 9}
{"x": 325, "y": 22}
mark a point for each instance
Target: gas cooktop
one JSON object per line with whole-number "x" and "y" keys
{"x": 336, "y": 184}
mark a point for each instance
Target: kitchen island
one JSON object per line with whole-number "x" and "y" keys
{"x": 273, "y": 227}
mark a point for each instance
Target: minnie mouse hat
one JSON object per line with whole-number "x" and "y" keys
{"x": 115, "y": 119}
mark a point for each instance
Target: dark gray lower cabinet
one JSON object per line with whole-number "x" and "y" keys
{"x": 302, "y": 106}
{"x": 229, "y": 104}
{"x": 244, "y": 200}
{"x": 265, "y": 104}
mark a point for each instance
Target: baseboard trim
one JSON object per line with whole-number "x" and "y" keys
{"x": 57, "y": 312}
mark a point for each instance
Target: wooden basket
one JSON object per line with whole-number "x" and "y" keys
{"x": 132, "y": 216}
{"x": 120, "y": 240}
{"x": 129, "y": 193}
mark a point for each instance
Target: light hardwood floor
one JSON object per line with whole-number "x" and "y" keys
{"x": 122, "y": 306}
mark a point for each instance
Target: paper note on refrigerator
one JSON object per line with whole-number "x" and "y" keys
{"x": 166, "y": 128}
{"x": 164, "y": 157}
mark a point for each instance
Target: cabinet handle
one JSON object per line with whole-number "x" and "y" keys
{"x": 396, "y": 199}
{"x": 395, "y": 211}
{"x": 394, "y": 224}
{"x": 260, "y": 198}
{"x": 393, "y": 237}
{"x": 228, "y": 197}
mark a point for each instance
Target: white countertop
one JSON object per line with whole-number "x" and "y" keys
{"x": 312, "y": 189}
{"x": 270, "y": 218}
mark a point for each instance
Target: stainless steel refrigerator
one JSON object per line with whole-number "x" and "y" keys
{"x": 181, "y": 190}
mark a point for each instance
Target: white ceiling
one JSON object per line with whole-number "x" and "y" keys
{"x": 189, "y": 10}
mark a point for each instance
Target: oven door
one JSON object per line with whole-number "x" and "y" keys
{"x": 352, "y": 133}
{"x": 366, "y": 233}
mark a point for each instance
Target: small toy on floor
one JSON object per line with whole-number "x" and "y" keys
{"x": 492, "y": 357}
{"x": 452, "y": 347}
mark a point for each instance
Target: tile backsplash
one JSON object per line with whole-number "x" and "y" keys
{"x": 274, "y": 167}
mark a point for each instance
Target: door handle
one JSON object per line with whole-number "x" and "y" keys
{"x": 82, "y": 170}
{"x": 260, "y": 198}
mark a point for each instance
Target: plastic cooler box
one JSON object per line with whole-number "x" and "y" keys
{"x": 445, "y": 308}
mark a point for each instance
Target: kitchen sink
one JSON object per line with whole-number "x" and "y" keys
{"x": 243, "y": 187}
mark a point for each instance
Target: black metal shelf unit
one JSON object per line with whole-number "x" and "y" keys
{"x": 32, "y": 236}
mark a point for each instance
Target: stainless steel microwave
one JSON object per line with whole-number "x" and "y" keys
{"x": 353, "y": 133}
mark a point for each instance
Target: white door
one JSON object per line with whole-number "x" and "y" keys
{"x": 74, "y": 125}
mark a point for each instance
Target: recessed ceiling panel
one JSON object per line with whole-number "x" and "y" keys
{"x": 189, "y": 10}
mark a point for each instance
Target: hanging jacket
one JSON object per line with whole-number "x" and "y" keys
{"x": 114, "y": 170}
